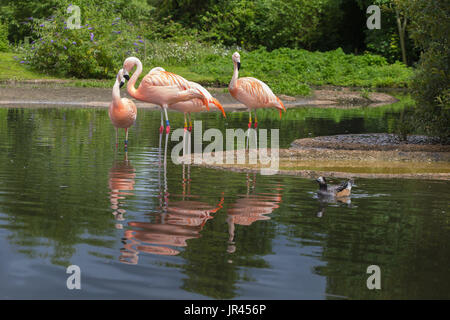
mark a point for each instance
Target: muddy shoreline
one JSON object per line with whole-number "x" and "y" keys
{"x": 422, "y": 158}
{"x": 372, "y": 142}
{"x": 53, "y": 94}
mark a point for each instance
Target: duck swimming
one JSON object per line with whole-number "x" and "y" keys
{"x": 342, "y": 190}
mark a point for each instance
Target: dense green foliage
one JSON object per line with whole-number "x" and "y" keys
{"x": 4, "y": 45}
{"x": 19, "y": 14}
{"x": 431, "y": 83}
{"x": 314, "y": 25}
{"x": 251, "y": 23}
{"x": 386, "y": 41}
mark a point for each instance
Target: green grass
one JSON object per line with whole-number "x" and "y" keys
{"x": 286, "y": 71}
{"x": 13, "y": 70}
{"x": 292, "y": 71}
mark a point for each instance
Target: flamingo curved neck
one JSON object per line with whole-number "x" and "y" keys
{"x": 131, "y": 83}
{"x": 116, "y": 93}
{"x": 235, "y": 76}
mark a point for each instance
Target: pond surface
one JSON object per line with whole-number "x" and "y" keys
{"x": 67, "y": 196}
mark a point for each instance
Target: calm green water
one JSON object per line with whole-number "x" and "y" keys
{"x": 67, "y": 196}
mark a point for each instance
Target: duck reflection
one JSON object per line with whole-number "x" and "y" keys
{"x": 177, "y": 219}
{"x": 325, "y": 201}
{"x": 250, "y": 208}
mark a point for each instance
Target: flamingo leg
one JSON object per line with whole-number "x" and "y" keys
{"x": 166, "y": 193}
{"x": 159, "y": 173}
{"x": 117, "y": 141}
{"x": 256, "y": 133}
{"x": 247, "y": 140}
{"x": 190, "y": 122}
{"x": 161, "y": 128}
{"x": 126, "y": 137}
{"x": 167, "y": 120}
{"x": 184, "y": 142}
{"x": 185, "y": 122}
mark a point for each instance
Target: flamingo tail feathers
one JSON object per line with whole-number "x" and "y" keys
{"x": 281, "y": 103}
{"x": 282, "y": 106}
{"x": 204, "y": 100}
{"x": 218, "y": 105}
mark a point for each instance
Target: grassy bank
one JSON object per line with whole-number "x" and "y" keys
{"x": 292, "y": 71}
{"x": 12, "y": 69}
{"x": 287, "y": 71}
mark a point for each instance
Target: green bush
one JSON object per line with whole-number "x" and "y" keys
{"x": 96, "y": 50}
{"x": 4, "y": 45}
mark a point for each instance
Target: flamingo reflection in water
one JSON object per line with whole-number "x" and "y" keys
{"x": 121, "y": 182}
{"x": 250, "y": 208}
{"x": 173, "y": 224}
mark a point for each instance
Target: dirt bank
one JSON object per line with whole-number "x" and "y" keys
{"x": 51, "y": 93}
{"x": 372, "y": 142}
{"x": 344, "y": 156}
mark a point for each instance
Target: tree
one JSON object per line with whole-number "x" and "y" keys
{"x": 429, "y": 25}
{"x": 399, "y": 8}
{"x": 401, "y": 17}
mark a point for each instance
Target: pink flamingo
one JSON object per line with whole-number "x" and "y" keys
{"x": 252, "y": 92}
{"x": 159, "y": 87}
{"x": 122, "y": 112}
{"x": 195, "y": 105}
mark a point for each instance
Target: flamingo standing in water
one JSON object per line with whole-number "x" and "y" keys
{"x": 122, "y": 111}
{"x": 252, "y": 92}
{"x": 159, "y": 87}
{"x": 195, "y": 105}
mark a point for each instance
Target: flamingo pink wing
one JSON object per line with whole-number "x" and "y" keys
{"x": 260, "y": 93}
{"x": 257, "y": 89}
{"x": 165, "y": 78}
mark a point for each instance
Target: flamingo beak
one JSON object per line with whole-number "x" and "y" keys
{"x": 239, "y": 65}
{"x": 126, "y": 75}
{"x": 121, "y": 83}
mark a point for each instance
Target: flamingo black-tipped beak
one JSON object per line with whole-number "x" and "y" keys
{"x": 126, "y": 75}
{"x": 121, "y": 84}
{"x": 239, "y": 65}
